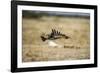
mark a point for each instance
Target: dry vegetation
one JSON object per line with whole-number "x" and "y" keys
{"x": 77, "y": 47}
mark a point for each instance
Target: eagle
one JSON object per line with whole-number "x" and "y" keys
{"x": 55, "y": 34}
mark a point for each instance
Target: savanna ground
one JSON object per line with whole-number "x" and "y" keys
{"x": 77, "y": 46}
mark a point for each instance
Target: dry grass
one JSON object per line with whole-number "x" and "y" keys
{"x": 77, "y": 47}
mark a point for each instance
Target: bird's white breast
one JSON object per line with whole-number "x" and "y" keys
{"x": 53, "y": 44}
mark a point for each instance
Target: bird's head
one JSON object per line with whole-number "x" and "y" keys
{"x": 43, "y": 37}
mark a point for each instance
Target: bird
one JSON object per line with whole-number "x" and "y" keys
{"x": 53, "y": 35}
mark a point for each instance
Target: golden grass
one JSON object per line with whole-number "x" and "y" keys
{"x": 77, "y": 47}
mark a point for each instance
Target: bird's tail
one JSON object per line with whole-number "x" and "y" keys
{"x": 66, "y": 37}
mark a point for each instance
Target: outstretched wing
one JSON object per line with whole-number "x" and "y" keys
{"x": 55, "y": 34}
